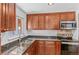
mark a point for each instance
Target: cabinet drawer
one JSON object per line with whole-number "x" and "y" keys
{"x": 49, "y": 42}
{"x": 41, "y": 42}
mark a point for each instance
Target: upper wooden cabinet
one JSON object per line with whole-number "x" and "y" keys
{"x": 12, "y": 16}
{"x": 0, "y": 28}
{"x": 35, "y": 22}
{"x": 8, "y": 16}
{"x": 3, "y": 21}
{"x": 48, "y": 21}
{"x": 67, "y": 16}
{"x": 29, "y": 22}
{"x": 41, "y": 22}
{"x": 52, "y": 21}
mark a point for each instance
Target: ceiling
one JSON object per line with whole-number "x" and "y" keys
{"x": 44, "y": 7}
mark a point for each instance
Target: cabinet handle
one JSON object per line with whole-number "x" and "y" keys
{"x": 4, "y": 29}
{"x": 7, "y": 29}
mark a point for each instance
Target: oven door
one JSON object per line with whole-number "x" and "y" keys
{"x": 69, "y": 48}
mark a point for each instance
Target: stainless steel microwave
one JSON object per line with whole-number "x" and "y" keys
{"x": 68, "y": 24}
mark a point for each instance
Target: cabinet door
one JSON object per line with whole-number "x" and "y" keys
{"x": 47, "y": 18}
{"x": 29, "y": 52}
{"x": 0, "y": 28}
{"x": 12, "y": 17}
{"x": 71, "y": 16}
{"x": 35, "y": 22}
{"x": 52, "y": 21}
{"x": 32, "y": 49}
{"x": 58, "y": 48}
{"x": 3, "y": 18}
{"x": 41, "y": 22}
{"x": 0, "y": 17}
{"x": 7, "y": 16}
{"x": 56, "y": 22}
{"x": 67, "y": 16}
{"x": 41, "y": 47}
{"x": 29, "y": 22}
{"x": 49, "y": 47}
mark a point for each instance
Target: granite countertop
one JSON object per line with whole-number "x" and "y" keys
{"x": 27, "y": 41}
{"x": 19, "y": 50}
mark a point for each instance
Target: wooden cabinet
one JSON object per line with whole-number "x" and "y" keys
{"x": 3, "y": 21}
{"x": 0, "y": 17}
{"x": 50, "y": 47}
{"x": 35, "y": 22}
{"x": 0, "y": 28}
{"x": 31, "y": 49}
{"x": 41, "y": 47}
{"x": 52, "y": 21}
{"x": 58, "y": 47}
{"x": 48, "y": 21}
{"x": 44, "y": 47}
{"x": 8, "y": 17}
{"x": 29, "y": 22}
{"x": 41, "y": 22}
{"x": 67, "y": 16}
{"x": 12, "y": 17}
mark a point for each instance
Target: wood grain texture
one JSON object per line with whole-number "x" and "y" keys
{"x": 0, "y": 28}
{"x": 48, "y": 21}
{"x": 8, "y": 17}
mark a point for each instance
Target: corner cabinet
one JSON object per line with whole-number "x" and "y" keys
{"x": 7, "y": 16}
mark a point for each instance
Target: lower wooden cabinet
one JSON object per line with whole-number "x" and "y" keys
{"x": 44, "y": 47}
{"x": 58, "y": 48}
{"x": 31, "y": 49}
{"x": 50, "y": 47}
{"x": 41, "y": 47}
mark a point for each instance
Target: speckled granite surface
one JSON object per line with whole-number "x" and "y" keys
{"x": 14, "y": 43}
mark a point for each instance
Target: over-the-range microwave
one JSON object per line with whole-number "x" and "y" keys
{"x": 68, "y": 24}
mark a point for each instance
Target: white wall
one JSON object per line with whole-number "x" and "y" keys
{"x": 21, "y": 13}
{"x": 8, "y": 36}
{"x": 43, "y": 32}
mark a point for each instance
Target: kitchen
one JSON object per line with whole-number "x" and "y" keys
{"x": 39, "y": 29}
